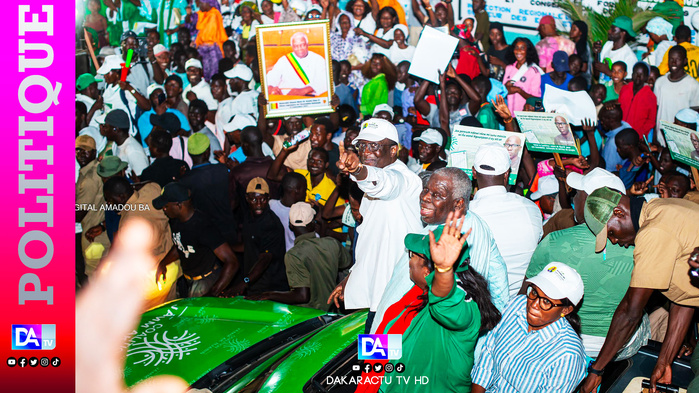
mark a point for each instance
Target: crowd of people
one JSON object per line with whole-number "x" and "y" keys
{"x": 536, "y": 286}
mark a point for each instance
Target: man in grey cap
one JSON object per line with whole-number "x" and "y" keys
{"x": 390, "y": 208}
{"x": 116, "y": 129}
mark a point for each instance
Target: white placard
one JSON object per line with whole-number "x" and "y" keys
{"x": 576, "y": 106}
{"x": 432, "y": 54}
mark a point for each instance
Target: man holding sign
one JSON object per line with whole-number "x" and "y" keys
{"x": 299, "y": 73}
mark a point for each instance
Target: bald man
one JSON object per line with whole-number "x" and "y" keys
{"x": 566, "y": 137}
{"x": 299, "y": 73}
{"x": 513, "y": 144}
{"x": 695, "y": 143}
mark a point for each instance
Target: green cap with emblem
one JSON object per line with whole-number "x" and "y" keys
{"x": 420, "y": 244}
{"x": 599, "y": 208}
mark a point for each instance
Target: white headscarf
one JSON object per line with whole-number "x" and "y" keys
{"x": 337, "y": 23}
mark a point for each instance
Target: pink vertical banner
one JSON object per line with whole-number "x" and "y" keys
{"x": 37, "y": 246}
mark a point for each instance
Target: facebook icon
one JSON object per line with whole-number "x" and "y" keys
{"x": 33, "y": 337}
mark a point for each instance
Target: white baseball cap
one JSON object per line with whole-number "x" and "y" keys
{"x": 596, "y": 178}
{"x": 193, "y": 63}
{"x": 431, "y": 137}
{"x": 375, "y": 130}
{"x": 687, "y": 115}
{"x": 153, "y": 88}
{"x": 492, "y": 159}
{"x": 159, "y": 48}
{"x": 547, "y": 185}
{"x": 240, "y": 71}
{"x": 301, "y": 214}
{"x": 239, "y": 122}
{"x": 560, "y": 281}
{"x": 111, "y": 62}
{"x": 381, "y": 108}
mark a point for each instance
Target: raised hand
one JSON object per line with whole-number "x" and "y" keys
{"x": 501, "y": 108}
{"x": 445, "y": 253}
{"x": 348, "y": 162}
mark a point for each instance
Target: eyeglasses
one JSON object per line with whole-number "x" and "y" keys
{"x": 371, "y": 146}
{"x": 412, "y": 253}
{"x": 558, "y": 123}
{"x": 313, "y": 16}
{"x": 509, "y": 145}
{"x": 544, "y": 303}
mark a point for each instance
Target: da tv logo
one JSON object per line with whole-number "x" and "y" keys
{"x": 33, "y": 337}
{"x": 380, "y": 346}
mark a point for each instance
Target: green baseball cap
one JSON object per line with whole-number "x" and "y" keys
{"x": 197, "y": 144}
{"x": 625, "y": 23}
{"x": 599, "y": 208}
{"x": 110, "y": 166}
{"x": 420, "y": 244}
{"x": 84, "y": 81}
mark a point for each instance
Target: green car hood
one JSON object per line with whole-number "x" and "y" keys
{"x": 189, "y": 337}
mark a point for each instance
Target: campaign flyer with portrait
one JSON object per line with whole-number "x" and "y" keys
{"x": 547, "y": 132}
{"x": 466, "y": 140}
{"x": 295, "y": 68}
{"x": 682, "y": 142}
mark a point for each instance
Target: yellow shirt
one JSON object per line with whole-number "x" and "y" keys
{"x": 322, "y": 191}
{"x": 669, "y": 231}
{"x": 692, "y": 67}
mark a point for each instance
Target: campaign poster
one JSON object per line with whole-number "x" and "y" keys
{"x": 466, "y": 140}
{"x": 295, "y": 68}
{"x": 547, "y": 132}
{"x": 682, "y": 142}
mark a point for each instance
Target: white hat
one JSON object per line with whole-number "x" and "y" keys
{"x": 687, "y": 115}
{"x": 375, "y": 130}
{"x": 560, "y": 281}
{"x": 547, "y": 185}
{"x": 596, "y": 178}
{"x": 299, "y": 6}
{"x": 240, "y": 71}
{"x": 239, "y": 122}
{"x": 159, "y": 48}
{"x": 111, "y": 62}
{"x": 106, "y": 51}
{"x": 314, "y": 7}
{"x": 153, "y": 88}
{"x": 193, "y": 63}
{"x": 492, "y": 159}
{"x": 431, "y": 137}
{"x": 301, "y": 214}
{"x": 381, "y": 108}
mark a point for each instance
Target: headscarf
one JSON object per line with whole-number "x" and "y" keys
{"x": 402, "y": 28}
{"x": 337, "y": 22}
{"x": 660, "y": 27}
{"x": 213, "y": 3}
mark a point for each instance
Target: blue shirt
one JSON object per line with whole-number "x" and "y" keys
{"x": 630, "y": 174}
{"x": 611, "y": 157}
{"x": 145, "y": 127}
{"x": 516, "y": 360}
{"x": 546, "y": 80}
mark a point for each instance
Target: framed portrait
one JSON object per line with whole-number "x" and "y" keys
{"x": 547, "y": 132}
{"x": 295, "y": 68}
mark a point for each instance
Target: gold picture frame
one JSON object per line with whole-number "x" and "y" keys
{"x": 285, "y": 71}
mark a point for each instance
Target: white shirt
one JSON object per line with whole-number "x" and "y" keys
{"x": 516, "y": 225}
{"x": 285, "y": 77}
{"x": 625, "y": 54}
{"x": 112, "y": 100}
{"x": 391, "y": 210}
{"x": 367, "y": 24}
{"x": 179, "y": 149}
{"x": 132, "y": 153}
{"x": 283, "y": 213}
{"x": 203, "y": 92}
{"x": 673, "y": 97}
{"x": 656, "y": 57}
{"x": 244, "y": 103}
{"x": 396, "y": 54}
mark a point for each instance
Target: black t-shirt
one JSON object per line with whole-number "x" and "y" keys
{"x": 260, "y": 234}
{"x": 209, "y": 185}
{"x": 164, "y": 170}
{"x": 333, "y": 158}
{"x": 196, "y": 240}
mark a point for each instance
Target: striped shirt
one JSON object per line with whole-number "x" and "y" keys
{"x": 515, "y": 360}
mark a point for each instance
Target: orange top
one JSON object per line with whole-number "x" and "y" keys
{"x": 396, "y": 6}
{"x": 211, "y": 31}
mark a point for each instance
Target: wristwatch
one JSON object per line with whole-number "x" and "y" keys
{"x": 591, "y": 370}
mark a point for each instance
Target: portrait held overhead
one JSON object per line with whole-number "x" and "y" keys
{"x": 371, "y": 196}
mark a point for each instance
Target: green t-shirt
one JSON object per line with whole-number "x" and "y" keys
{"x": 486, "y": 115}
{"x": 606, "y": 280}
{"x": 611, "y": 93}
{"x": 314, "y": 263}
{"x": 439, "y": 344}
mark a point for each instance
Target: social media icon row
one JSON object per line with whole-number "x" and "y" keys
{"x": 378, "y": 367}
{"x": 33, "y": 362}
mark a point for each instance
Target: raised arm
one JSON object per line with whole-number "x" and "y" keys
{"x": 277, "y": 170}
{"x": 474, "y": 100}
{"x": 421, "y": 105}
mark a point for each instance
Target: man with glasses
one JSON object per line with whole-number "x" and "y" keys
{"x": 390, "y": 208}
{"x": 566, "y": 137}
